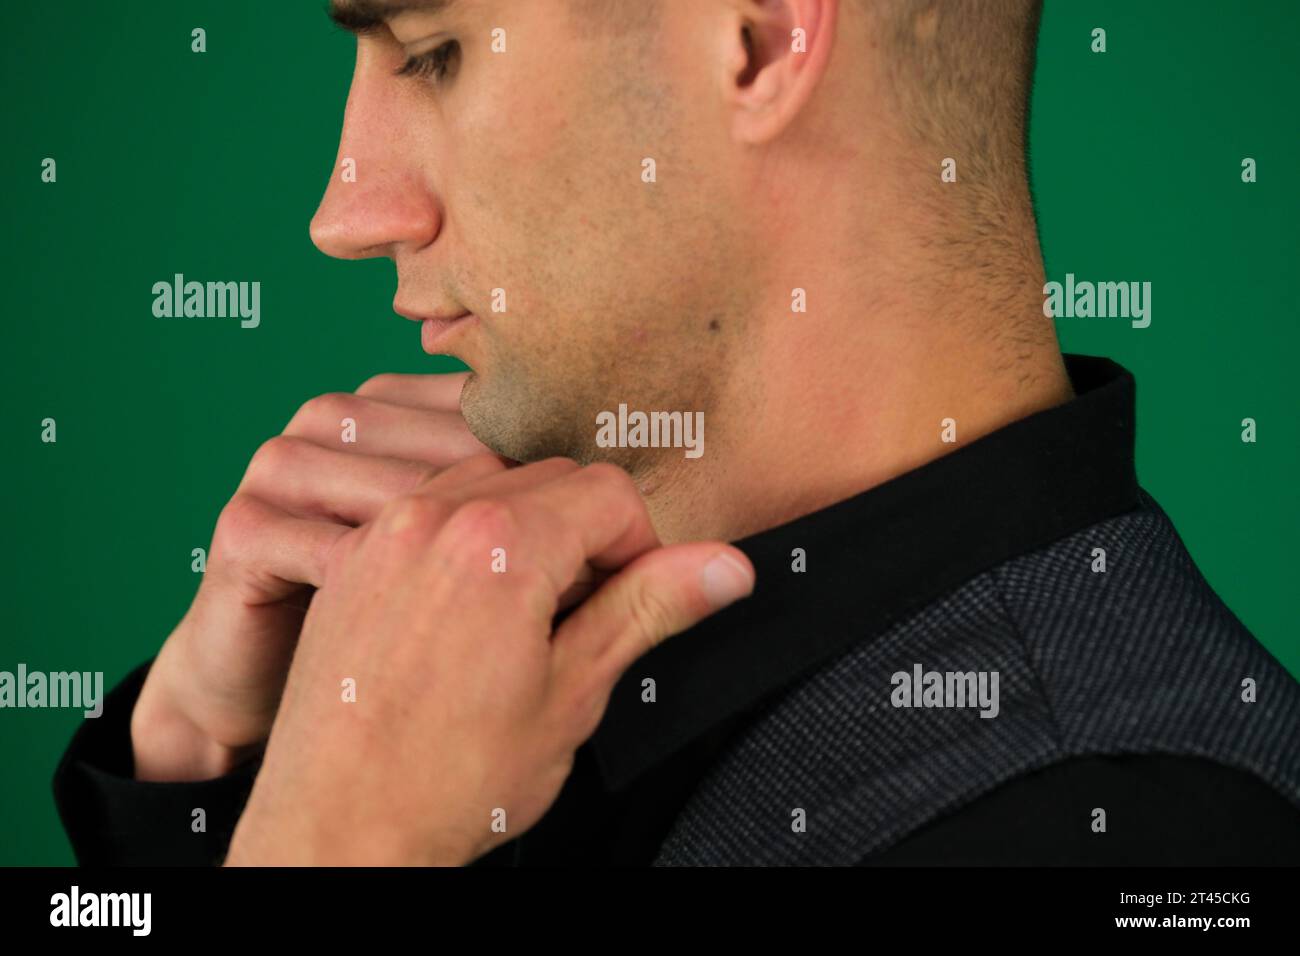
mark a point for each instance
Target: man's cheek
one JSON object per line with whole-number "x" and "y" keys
{"x": 534, "y": 128}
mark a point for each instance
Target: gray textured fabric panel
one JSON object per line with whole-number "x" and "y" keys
{"x": 1144, "y": 658}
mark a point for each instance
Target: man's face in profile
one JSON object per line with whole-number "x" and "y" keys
{"x": 504, "y": 145}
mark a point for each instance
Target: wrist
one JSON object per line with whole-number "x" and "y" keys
{"x": 310, "y": 836}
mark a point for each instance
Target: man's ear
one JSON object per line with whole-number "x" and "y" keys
{"x": 779, "y": 49}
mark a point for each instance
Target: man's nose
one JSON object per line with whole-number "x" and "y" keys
{"x": 380, "y": 198}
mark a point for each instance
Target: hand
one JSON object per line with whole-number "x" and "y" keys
{"x": 469, "y": 703}
{"x": 211, "y": 694}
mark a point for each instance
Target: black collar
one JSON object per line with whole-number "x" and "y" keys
{"x": 877, "y": 556}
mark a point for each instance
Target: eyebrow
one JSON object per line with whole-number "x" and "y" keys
{"x": 366, "y": 16}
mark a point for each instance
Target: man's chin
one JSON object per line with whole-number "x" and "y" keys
{"x": 516, "y": 427}
{"x": 485, "y": 418}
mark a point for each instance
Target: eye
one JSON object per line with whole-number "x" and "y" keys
{"x": 436, "y": 65}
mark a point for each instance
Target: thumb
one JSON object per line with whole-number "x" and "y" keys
{"x": 661, "y": 593}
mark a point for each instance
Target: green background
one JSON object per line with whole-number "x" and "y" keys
{"x": 212, "y": 164}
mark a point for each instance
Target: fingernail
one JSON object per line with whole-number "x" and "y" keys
{"x": 724, "y": 580}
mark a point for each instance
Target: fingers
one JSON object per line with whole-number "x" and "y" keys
{"x": 306, "y": 480}
{"x": 488, "y": 476}
{"x": 593, "y": 517}
{"x": 573, "y": 522}
{"x": 437, "y": 392}
{"x": 660, "y": 594}
{"x": 385, "y": 429}
{"x": 476, "y": 478}
{"x": 406, "y": 428}
{"x": 267, "y": 553}
{"x": 570, "y": 521}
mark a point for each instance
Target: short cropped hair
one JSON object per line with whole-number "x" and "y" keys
{"x": 961, "y": 72}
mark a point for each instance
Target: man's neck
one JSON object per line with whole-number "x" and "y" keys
{"x": 828, "y": 408}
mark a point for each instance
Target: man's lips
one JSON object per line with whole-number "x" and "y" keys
{"x": 435, "y": 332}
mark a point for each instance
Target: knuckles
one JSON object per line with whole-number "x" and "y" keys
{"x": 377, "y": 383}
{"x": 460, "y": 539}
{"x": 482, "y": 522}
{"x": 413, "y": 516}
{"x": 464, "y": 535}
{"x": 422, "y": 516}
{"x": 323, "y": 411}
{"x": 273, "y": 456}
{"x": 240, "y": 520}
